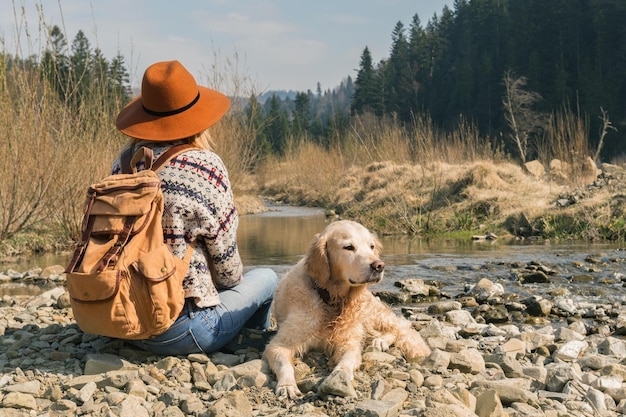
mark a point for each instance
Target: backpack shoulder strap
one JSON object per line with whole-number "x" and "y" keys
{"x": 144, "y": 153}
{"x": 127, "y": 155}
{"x": 171, "y": 153}
{"x": 147, "y": 155}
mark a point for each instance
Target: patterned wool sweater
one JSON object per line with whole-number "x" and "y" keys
{"x": 198, "y": 204}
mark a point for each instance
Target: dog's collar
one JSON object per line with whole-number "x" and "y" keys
{"x": 322, "y": 292}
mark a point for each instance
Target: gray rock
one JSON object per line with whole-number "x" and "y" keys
{"x": 527, "y": 410}
{"x": 233, "y": 404}
{"x": 415, "y": 287}
{"x": 19, "y": 400}
{"x": 443, "y": 307}
{"x": 119, "y": 379}
{"x": 376, "y": 408}
{"x": 337, "y": 383}
{"x": 97, "y": 363}
{"x": 558, "y": 376}
{"x": 64, "y": 406}
{"x": 378, "y": 357}
{"x": 598, "y": 400}
{"x": 221, "y": 358}
{"x": 571, "y": 351}
{"x": 137, "y": 388}
{"x": 192, "y": 405}
{"x": 226, "y": 383}
{"x": 437, "y": 361}
{"x": 133, "y": 407}
{"x": 459, "y": 317}
{"x": 511, "y": 367}
{"x": 86, "y": 392}
{"x": 488, "y": 404}
{"x": 539, "y": 307}
{"x": 612, "y": 346}
{"x": 510, "y": 391}
{"x": 29, "y": 387}
{"x": 397, "y": 396}
{"x": 486, "y": 289}
{"x": 467, "y": 361}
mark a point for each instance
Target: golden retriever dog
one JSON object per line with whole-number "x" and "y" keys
{"x": 323, "y": 303}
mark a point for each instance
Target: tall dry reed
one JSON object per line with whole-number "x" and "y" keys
{"x": 305, "y": 175}
{"x": 566, "y": 139}
{"x": 53, "y": 147}
{"x": 53, "y": 151}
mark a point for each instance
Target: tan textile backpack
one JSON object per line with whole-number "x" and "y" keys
{"x": 123, "y": 279}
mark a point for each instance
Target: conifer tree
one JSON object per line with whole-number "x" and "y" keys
{"x": 119, "y": 78}
{"x": 276, "y": 127}
{"x": 54, "y": 64}
{"x": 366, "y": 94}
{"x": 254, "y": 122}
{"x": 301, "y": 114}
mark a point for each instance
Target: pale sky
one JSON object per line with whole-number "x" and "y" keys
{"x": 274, "y": 44}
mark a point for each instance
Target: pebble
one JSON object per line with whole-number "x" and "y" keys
{"x": 570, "y": 362}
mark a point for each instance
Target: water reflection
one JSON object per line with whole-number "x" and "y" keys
{"x": 278, "y": 237}
{"x": 283, "y": 235}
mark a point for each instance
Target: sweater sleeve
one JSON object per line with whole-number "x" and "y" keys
{"x": 227, "y": 269}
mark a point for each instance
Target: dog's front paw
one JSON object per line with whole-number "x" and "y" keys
{"x": 288, "y": 391}
{"x": 380, "y": 344}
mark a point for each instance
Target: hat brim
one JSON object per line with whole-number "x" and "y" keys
{"x": 135, "y": 122}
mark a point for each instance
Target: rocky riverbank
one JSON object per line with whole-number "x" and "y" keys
{"x": 493, "y": 355}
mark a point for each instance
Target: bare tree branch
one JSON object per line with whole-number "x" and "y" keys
{"x": 606, "y": 125}
{"x": 519, "y": 114}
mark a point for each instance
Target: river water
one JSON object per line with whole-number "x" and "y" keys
{"x": 280, "y": 237}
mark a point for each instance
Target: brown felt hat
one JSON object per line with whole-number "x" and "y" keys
{"x": 171, "y": 105}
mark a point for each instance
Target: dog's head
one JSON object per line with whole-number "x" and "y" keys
{"x": 345, "y": 254}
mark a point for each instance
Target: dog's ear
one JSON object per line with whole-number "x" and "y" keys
{"x": 316, "y": 262}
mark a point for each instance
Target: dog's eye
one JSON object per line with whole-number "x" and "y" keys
{"x": 349, "y": 247}
{"x": 372, "y": 246}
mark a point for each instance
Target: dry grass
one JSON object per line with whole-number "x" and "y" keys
{"x": 440, "y": 197}
{"x": 394, "y": 180}
{"x": 307, "y": 175}
{"x": 48, "y": 146}
{"x": 421, "y": 181}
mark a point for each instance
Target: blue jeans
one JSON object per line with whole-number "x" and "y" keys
{"x": 206, "y": 330}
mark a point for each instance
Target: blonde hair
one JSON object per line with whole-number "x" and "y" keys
{"x": 202, "y": 140}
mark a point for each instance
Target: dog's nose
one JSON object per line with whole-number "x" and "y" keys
{"x": 378, "y": 266}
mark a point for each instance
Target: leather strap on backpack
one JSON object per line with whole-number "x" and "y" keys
{"x": 171, "y": 153}
{"x": 122, "y": 239}
{"x": 125, "y": 160}
{"x": 144, "y": 153}
{"x": 129, "y": 160}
